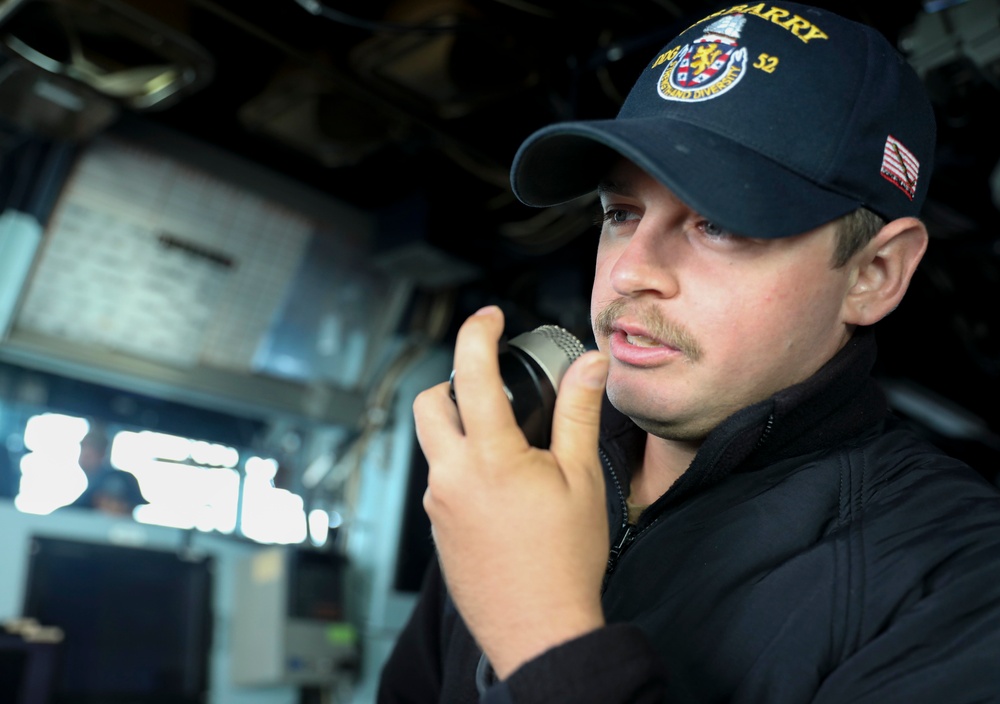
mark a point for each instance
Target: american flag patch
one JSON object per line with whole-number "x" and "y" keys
{"x": 900, "y": 166}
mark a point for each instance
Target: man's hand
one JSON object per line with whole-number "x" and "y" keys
{"x": 521, "y": 533}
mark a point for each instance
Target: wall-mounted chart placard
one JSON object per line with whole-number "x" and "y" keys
{"x": 149, "y": 256}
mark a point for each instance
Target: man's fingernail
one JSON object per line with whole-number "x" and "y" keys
{"x": 485, "y": 310}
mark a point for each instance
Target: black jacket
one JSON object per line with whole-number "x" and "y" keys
{"x": 816, "y": 550}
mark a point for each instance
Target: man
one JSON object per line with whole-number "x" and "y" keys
{"x": 775, "y": 534}
{"x": 109, "y": 490}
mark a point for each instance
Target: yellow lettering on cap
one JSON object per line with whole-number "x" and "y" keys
{"x": 775, "y": 14}
{"x": 709, "y": 17}
{"x": 813, "y": 32}
{"x": 796, "y": 23}
{"x": 734, "y": 10}
{"x": 666, "y": 56}
{"x": 798, "y": 26}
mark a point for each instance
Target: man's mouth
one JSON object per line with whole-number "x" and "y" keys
{"x": 642, "y": 341}
{"x": 642, "y": 327}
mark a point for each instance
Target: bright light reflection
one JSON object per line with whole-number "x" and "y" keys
{"x": 319, "y": 527}
{"x": 180, "y": 494}
{"x": 50, "y": 474}
{"x": 48, "y": 430}
{"x": 184, "y": 496}
{"x": 214, "y": 455}
{"x": 148, "y": 445}
{"x": 270, "y": 515}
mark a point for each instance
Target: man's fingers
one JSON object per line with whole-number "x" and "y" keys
{"x": 436, "y": 419}
{"x": 577, "y": 418}
{"x": 483, "y": 405}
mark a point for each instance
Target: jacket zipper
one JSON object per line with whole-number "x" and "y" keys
{"x": 626, "y": 532}
{"x": 766, "y": 432}
{"x": 616, "y": 550}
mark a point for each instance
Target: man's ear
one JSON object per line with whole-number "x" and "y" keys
{"x": 882, "y": 269}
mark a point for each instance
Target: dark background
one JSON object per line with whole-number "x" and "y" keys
{"x": 415, "y": 109}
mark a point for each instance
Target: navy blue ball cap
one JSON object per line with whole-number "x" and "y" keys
{"x": 769, "y": 120}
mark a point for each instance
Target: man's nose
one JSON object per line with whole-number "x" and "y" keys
{"x": 648, "y": 262}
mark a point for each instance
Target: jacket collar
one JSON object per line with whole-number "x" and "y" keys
{"x": 840, "y": 401}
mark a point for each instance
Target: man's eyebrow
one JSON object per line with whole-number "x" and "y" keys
{"x": 607, "y": 186}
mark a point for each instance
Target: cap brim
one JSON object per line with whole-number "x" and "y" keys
{"x": 724, "y": 181}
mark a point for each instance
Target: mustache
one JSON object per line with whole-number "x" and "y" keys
{"x": 658, "y": 327}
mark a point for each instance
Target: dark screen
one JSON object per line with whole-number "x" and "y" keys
{"x": 136, "y": 621}
{"x": 315, "y": 588}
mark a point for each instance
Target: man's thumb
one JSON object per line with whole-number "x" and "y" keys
{"x": 576, "y": 421}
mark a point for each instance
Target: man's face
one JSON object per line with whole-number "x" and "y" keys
{"x": 700, "y": 323}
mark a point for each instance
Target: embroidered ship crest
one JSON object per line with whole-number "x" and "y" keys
{"x": 709, "y": 66}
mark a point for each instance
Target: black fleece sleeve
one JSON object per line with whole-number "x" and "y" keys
{"x": 412, "y": 673}
{"x": 929, "y": 624}
{"x": 614, "y": 664}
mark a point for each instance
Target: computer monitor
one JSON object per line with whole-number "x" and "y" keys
{"x": 136, "y": 621}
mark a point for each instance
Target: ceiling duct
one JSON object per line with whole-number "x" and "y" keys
{"x": 116, "y": 50}
{"x": 450, "y": 64}
{"x": 50, "y": 106}
{"x": 306, "y": 107}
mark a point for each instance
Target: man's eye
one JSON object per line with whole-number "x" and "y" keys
{"x": 616, "y": 215}
{"x": 713, "y": 230}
